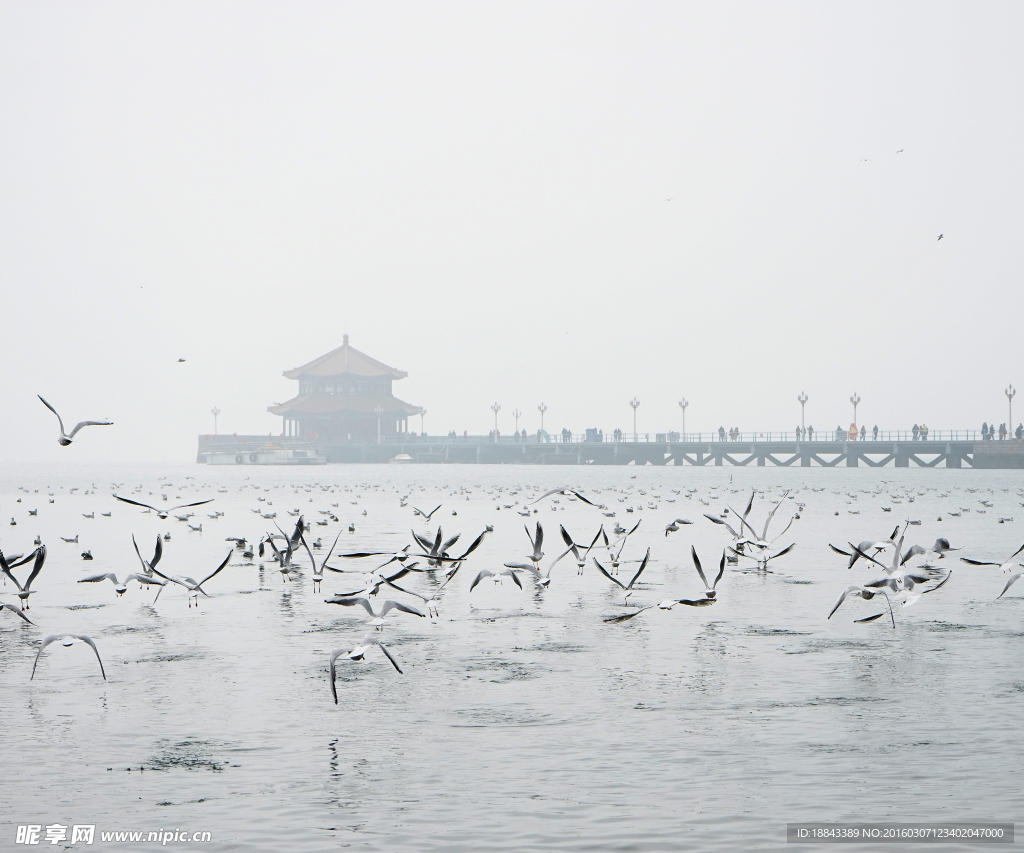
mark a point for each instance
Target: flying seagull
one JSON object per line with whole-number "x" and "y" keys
{"x": 65, "y": 438}
{"x": 667, "y": 604}
{"x": 487, "y": 573}
{"x": 674, "y": 526}
{"x": 120, "y": 587}
{"x": 68, "y": 640}
{"x": 162, "y": 513}
{"x": 14, "y": 609}
{"x": 376, "y": 619}
{"x": 709, "y": 589}
{"x": 429, "y": 600}
{"x": 426, "y": 515}
{"x": 24, "y": 591}
{"x": 867, "y": 594}
{"x": 565, "y": 490}
{"x": 627, "y": 588}
{"x": 358, "y": 653}
{"x": 191, "y": 585}
{"x": 1006, "y": 567}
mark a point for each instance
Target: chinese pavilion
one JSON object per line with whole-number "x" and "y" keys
{"x": 344, "y": 396}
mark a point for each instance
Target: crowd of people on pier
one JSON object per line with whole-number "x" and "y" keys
{"x": 989, "y": 433}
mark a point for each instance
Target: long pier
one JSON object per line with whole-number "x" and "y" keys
{"x": 780, "y": 453}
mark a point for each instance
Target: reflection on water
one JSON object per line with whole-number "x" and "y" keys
{"x": 523, "y": 720}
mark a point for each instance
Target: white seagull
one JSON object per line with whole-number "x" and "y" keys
{"x": 1008, "y": 566}
{"x": 65, "y": 438}
{"x": 626, "y": 588}
{"x": 67, "y": 640}
{"x": 120, "y": 587}
{"x": 667, "y": 604}
{"x": 376, "y": 619}
{"x": 565, "y": 490}
{"x": 194, "y": 587}
{"x": 15, "y": 610}
{"x": 709, "y": 589}
{"x": 24, "y": 591}
{"x": 426, "y": 515}
{"x": 429, "y": 600}
{"x": 162, "y": 513}
{"x": 358, "y": 653}
{"x": 487, "y": 573}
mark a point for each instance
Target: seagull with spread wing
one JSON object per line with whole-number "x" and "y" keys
{"x": 376, "y": 618}
{"x": 194, "y": 587}
{"x": 709, "y": 588}
{"x": 65, "y": 438}
{"x": 359, "y": 653}
{"x": 627, "y": 588}
{"x": 67, "y": 640}
{"x": 162, "y": 513}
{"x": 25, "y": 591}
{"x": 565, "y": 490}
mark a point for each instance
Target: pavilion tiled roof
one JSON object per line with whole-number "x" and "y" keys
{"x": 345, "y": 359}
{"x": 329, "y": 404}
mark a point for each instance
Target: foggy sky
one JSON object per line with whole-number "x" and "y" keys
{"x": 478, "y": 194}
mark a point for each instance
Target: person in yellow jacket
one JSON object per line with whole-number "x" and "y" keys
{"x": 853, "y": 432}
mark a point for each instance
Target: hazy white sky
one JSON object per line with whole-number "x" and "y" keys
{"x": 478, "y": 193}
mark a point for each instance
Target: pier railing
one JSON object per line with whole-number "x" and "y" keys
{"x": 694, "y": 437}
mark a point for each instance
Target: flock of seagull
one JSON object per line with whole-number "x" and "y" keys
{"x": 433, "y": 561}
{"x": 411, "y": 581}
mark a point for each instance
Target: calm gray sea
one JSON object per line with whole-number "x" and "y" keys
{"x": 523, "y": 721}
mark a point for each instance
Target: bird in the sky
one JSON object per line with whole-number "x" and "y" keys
{"x": 900, "y": 151}
{"x": 65, "y": 438}
{"x": 180, "y": 360}
{"x": 939, "y": 238}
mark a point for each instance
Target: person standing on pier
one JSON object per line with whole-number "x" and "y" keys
{"x": 916, "y": 431}
{"x": 810, "y": 433}
{"x": 799, "y": 433}
{"x": 874, "y": 433}
{"x": 1019, "y": 432}
{"x": 863, "y": 432}
{"x": 721, "y": 433}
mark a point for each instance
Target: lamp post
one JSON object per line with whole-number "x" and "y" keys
{"x": 635, "y": 403}
{"x": 1009, "y": 399}
{"x": 802, "y": 400}
{"x": 379, "y": 410}
{"x": 215, "y": 411}
{"x": 495, "y": 408}
{"x": 422, "y": 413}
{"x": 542, "y": 409}
{"x": 517, "y": 415}
{"x": 682, "y": 405}
{"x": 855, "y": 400}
